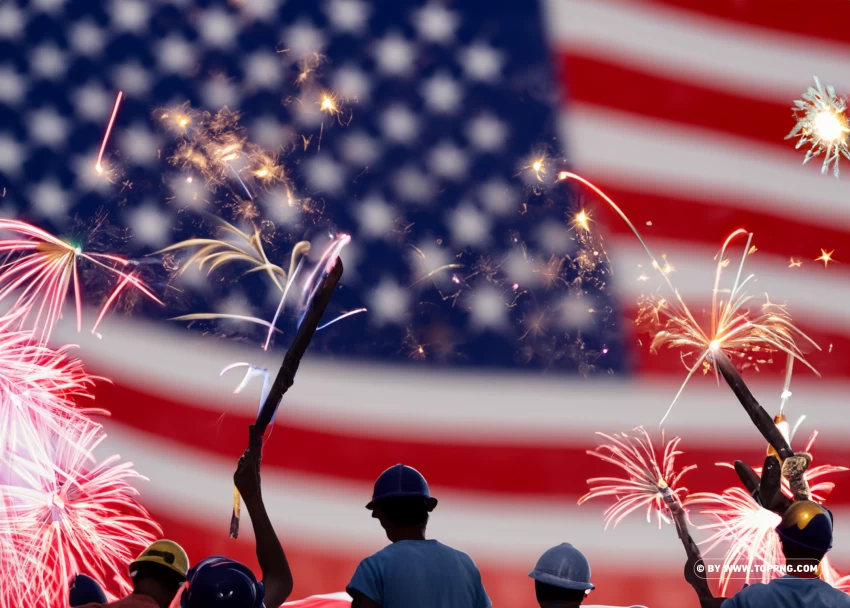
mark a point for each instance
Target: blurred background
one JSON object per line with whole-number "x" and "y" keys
{"x": 500, "y": 333}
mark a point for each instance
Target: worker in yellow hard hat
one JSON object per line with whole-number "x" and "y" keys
{"x": 157, "y": 574}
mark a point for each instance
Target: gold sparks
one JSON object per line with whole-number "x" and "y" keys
{"x": 792, "y": 263}
{"x": 266, "y": 168}
{"x": 177, "y": 119}
{"x": 825, "y": 257}
{"x": 539, "y": 168}
{"x": 328, "y": 103}
{"x": 563, "y": 175}
{"x": 667, "y": 268}
{"x": 581, "y": 220}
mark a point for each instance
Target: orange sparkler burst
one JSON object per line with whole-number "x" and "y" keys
{"x": 40, "y": 268}
{"x": 647, "y": 482}
{"x": 792, "y": 263}
{"x": 825, "y": 257}
{"x": 99, "y": 164}
{"x": 734, "y": 331}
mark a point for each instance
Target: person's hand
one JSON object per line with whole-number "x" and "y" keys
{"x": 691, "y": 568}
{"x": 247, "y": 476}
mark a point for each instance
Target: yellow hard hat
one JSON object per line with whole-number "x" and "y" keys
{"x": 165, "y": 553}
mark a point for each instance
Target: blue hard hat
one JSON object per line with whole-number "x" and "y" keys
{"x": 401, "y": 480}
{"x": 218, "y": 582}
{"x": 807, "y": 524}
{"x": 563, "y": 566}
{"x": 85, "y": 590}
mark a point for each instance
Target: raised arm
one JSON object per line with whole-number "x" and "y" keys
{"x": 277, "y": 577}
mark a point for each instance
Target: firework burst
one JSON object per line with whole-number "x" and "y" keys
{"x": 39, "y": 388}
{"x": 40, "y": 269}
{"x": 648, "y": 482}
{"x": 748, "y": 528}
{"x": 734, "y": 331}
{"x": 70, "y": 516}
{"x": 822, "y": 123}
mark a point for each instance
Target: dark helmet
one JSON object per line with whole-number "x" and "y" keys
{"x": 401, "y": 480}
{"x": 85, "y": 590}
{"x": 807, "y": 524}
{"x": 563, "y": 566}
{"x": 218, "y": 582}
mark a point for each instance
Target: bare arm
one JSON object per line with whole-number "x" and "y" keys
{"x": 277, "y": 577}
{"x": 361, "y": 601}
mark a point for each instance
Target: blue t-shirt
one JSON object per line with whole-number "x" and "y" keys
{"x": 420, "y": 574}
{"x": 790, "y": 592}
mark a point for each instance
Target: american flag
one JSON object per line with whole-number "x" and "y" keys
{"x": 491, "y": 376}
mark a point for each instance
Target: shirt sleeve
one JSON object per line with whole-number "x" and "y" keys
{"x": 367, "y": 580}
{"x": 482, "y": 600}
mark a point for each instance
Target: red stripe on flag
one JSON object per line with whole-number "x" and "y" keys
{"x": 689, "y": 219}
{"x": 821, "y": 19}
{"x": 593, "y": 81}
{"x": 507, "y": 469}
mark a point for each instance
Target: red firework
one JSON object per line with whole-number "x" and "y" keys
{"x": 38, "y": 389}
{"x": 40, "y": 269}
{"x": 71, "y": 516}
{"x": 647, "y": 482}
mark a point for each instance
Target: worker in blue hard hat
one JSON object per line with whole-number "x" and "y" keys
{"x": 562, "y": 578}
{"x": 85, "y": 590}
{"x": 412, "y": 572}
{"x": 806, "y": 535}
{"x": 157, "y": 575}
{"x": 219, "y": 582}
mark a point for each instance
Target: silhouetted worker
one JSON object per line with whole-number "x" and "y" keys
{"x": 157, "y": 575}
{"x": 219, "y": 582}
{"x": 412, "y": 572}
{"x": 85, "y": 590}
{"x": 562, "y": 578}
{"x": 806, "y": 535}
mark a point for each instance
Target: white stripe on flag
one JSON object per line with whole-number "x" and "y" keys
{"x": 813, "y": 295}
{"x": 745, "y": 60}
{"x": 422, "y": 404}
{"x": 329, "y": 513}
{"x": 664, "y": 157}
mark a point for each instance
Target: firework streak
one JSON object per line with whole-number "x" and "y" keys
{"x": 321, "y": 296}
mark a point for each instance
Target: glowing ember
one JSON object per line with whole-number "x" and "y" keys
{"x": 825, "y": 257}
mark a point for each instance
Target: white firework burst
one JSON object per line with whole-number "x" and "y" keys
{"x": 822, "y": 121}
